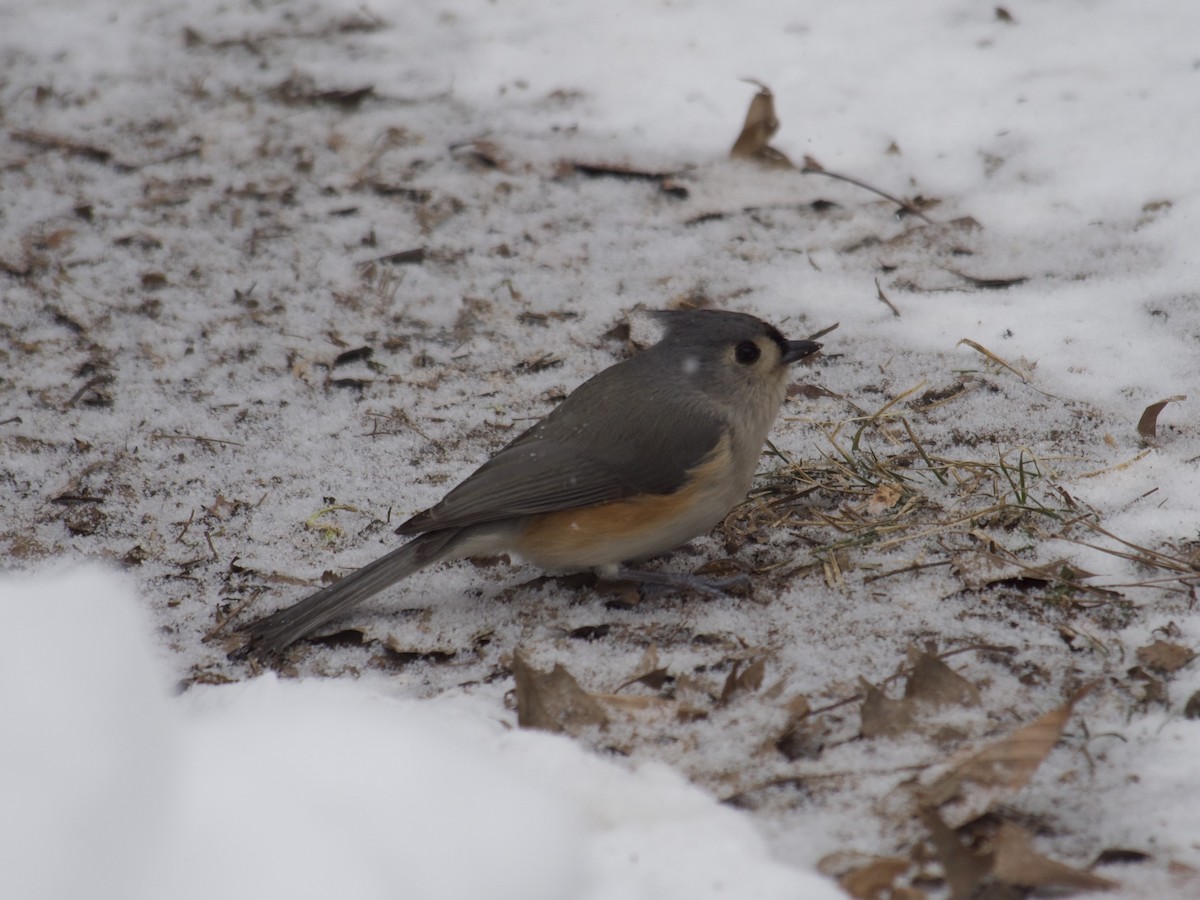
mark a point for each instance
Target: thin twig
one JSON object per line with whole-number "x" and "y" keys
{"x": 903, "y": 204}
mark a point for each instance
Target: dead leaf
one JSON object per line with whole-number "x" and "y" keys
{"x": 935, "y": 683}
{"x": 1008, "y": 763}
{"x": 874, "y": 880}
{"x": 1191, "y": 709}
{"x": 749, "y": 680}
{"x": 631, "y": 703}
{"x": 804, "y": 737}
{"x": 651, "y": 678}
{"x": 1182, "y": 871}
{"x": 935, "y": 397}
{"x": 668, "y": 182}
{"x": 539, "y": 361}
{"x": 404, "y": 654}
{"x": 963, "y": 868}
{"x": 758, "y": 129}
{"x": 1163, "y": 656}
{"x": 990, "y": 283}
{"x": 694, "y": 698}
{"x": 810, "y": 392}
{"x": 400, "y": 257}
{"x": 1120, "y": 856}
{"x": 300, "y": 90}
{"x": 553, "y": 701}
{"x": 1154, "y": 690}
{"x": 358, "y": 354}
{"x": 1009, "y": 860}
{"x": 1017, "y": 863}
{"x": 884, "y": 717}
{"x": 648, "y": 670}
{"x": 1147, "y": 425}
{"x": 486, "y": 153}
{"x": 885, "y": 497}
{"x": 804, "y": 741}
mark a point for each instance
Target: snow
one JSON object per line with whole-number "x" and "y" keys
{"x": 270, "y": 788}
{"x": 186, "y": 245}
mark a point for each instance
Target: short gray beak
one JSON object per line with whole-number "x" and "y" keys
{"x": 794, "y": 350}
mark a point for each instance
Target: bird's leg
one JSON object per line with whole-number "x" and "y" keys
{"x": 683, "y": 581}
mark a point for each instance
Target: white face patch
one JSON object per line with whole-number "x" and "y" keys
{"x": 691, "y": 365}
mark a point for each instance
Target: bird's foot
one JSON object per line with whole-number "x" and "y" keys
{"x": 682, "y": 581}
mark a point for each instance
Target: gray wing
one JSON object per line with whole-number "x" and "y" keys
{"x": 596, "y": 447}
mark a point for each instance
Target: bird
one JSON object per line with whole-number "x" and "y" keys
{"x": 639, "y": 459}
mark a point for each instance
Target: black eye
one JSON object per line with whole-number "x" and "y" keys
{"x": 747, "y": 352}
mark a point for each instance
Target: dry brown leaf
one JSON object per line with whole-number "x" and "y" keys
{"x": 553, "y": 701}
{"x": 1154, "y": 690}
{"x": 648, "y": 671}
{"x": 748, "y": 680}
{"x": 885, "y": 497}
{"x": 963, "y": 868}
{"x": 759, "y": 127}
{"x": 884, "y": 717}
{"x": 1010, "y": 860}
{"x": 803, "y": 740}
{"x": 991, "y": 283}
{"x": 803, "y": 737}
{"x": 1058, "y": 570}
{"x": 1147, "y": 425}
{"x": 1017, "y": 863}
{"x": 874, "y": 880}
{"x": 668, "y": 182}
{"x": 935, "y": 683}
{"x": 1191, "y": 709}
{"x": 654, "y": 679}
{"x": 810, "y": 391}
{"x": 488, "y": 154}
{"x": 631, "y": 702}
{"x": 1008, "y": 763}
{"x": 1163, "y": 656}
{"x": 930, "y": 683}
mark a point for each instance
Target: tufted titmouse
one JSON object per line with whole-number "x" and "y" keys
{"x": 639, "y": 459}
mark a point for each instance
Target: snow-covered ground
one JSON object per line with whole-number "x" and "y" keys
{"x": 201, "y": 206}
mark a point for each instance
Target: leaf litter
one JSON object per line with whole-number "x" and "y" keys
{"x": 889, "y": 496}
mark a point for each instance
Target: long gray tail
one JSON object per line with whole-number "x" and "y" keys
{"x": 277, "y": 631}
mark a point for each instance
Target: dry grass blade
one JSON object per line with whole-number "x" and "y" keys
{"x": 994, "y": 358}
{"x": 884, "y": 299}
{"x": 816, "y": 336}
{"x": 921, "y": 451}
{"x": 1147, "y": 425}
{"x": 1118, "y": 467}
{"x": 1143, "y": 555}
